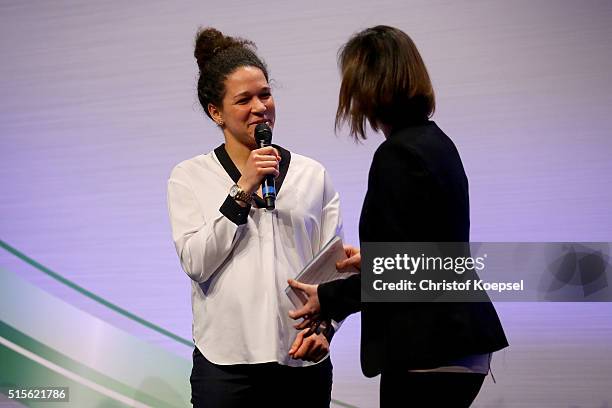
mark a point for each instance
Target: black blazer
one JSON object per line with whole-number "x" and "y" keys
{"x": 417, "y": 192}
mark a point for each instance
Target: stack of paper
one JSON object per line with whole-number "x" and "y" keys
{"x": 321, "y": 269}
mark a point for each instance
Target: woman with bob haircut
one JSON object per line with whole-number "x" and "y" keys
{"x": 428, "y": 354}
{"x": 239, "y": 253}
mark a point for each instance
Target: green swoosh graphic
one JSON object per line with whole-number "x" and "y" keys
{"x": 41, "y": 330}
{"x": 19, "y": 369}
{"x": 93, "y": 296}
{"x": 68, "y": 347}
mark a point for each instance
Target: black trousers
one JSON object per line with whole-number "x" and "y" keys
{"x": 268, "y": 384}
{"x": 443, "y": 390}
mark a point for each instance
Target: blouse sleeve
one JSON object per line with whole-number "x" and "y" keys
{"x": 201, "y": 244}
{"x": 331, "y": 223}
{"x": 331, "y": 220}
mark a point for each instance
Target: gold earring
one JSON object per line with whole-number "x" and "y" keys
{"x": 220, "y": 123}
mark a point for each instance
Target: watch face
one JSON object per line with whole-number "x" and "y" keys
{"x": 234, "y": 191}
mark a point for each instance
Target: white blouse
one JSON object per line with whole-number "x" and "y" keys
{"x": 239, "y": 259}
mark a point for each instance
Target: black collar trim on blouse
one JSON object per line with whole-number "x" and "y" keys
{"x": 231, "y": 169}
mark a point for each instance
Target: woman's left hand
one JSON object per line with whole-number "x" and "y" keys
{"x": 309, "y": 346}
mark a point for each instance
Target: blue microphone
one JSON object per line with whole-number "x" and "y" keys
{"x": 263, "y": 137}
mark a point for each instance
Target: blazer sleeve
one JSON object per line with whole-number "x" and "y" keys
{"x": 399, "y": 188}
{"x": 340, "y": 298}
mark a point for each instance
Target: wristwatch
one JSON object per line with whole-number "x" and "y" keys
{"x": 239, "y": 194}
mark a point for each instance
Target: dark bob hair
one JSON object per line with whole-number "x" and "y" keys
{"x": 384, "y": 81}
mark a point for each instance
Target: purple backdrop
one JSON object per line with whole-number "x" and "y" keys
{"x": 98, "y": 103}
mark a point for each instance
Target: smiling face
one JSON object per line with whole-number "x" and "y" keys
{"x": 247, "y": 102}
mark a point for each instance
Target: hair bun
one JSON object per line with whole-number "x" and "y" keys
{"x": 210, "y": 41}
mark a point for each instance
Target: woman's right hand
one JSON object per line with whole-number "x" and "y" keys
{"x": 353, "y": 255}
{"x": 261, "y": 162}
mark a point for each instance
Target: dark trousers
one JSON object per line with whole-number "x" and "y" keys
{"x": 268, "y": 384}
{"x": 444, "y": 390}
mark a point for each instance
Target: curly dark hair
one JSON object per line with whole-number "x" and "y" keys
{"x": 218, "y": 56}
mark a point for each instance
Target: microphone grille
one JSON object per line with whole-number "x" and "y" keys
{"x": 263, "y": 133}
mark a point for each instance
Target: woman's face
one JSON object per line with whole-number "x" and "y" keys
{"x": 248, "y": 101}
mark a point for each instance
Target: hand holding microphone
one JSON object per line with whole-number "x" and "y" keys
{"x": 261, "y": 167}
{"x": 263, "y": 137}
